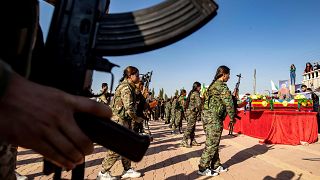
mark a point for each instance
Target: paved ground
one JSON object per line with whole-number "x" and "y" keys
{"x": 245, "y": 157}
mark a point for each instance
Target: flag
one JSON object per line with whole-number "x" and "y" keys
{"x": 203, "y": 90}
{"x": 273, "y": 86}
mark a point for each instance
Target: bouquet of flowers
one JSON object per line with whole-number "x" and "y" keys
{"x": 302, "y": 100}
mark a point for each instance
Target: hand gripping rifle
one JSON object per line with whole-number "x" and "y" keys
{"x": 146, "y": 79}
{"x": 235, "y": 97}
{"x": 81, "y": 33}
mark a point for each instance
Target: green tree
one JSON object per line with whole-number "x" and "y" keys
{"x": 165, "y": 97}
{"x": 161, "y": 92}
{"x": 176, "y": 93}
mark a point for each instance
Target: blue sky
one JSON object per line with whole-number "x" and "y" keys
{"x": 266, "y": 35}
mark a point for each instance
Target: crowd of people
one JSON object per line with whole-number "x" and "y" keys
{"x": 130, "y": 109}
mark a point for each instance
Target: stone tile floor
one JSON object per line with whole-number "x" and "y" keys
{"x": 245, "y": 157}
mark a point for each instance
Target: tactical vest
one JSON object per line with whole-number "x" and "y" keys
{"x": 117, "y": 105}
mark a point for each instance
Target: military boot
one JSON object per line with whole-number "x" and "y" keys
{"x": 188, "y": 143}
{"x": 195, "y": 143}
{"x": 185, "y": 143}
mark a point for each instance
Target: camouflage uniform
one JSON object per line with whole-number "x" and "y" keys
{"x": 192, "y": 112}
{"x": 8, "y": 155}
{"x": 173, "y": 112}
{"x": 218, "y": 102}
{"x": 167, "y": 111}
{"x": 104, "y": 98}
{"x": 142, "y": 105}
{"x": 124, "y": 112}
{"x": 178, "y": 112}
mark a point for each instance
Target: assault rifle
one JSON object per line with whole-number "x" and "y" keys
{"x": 82, "y": 33}
{"x": 146, "y": 79}
{"x": 235, "y": 97}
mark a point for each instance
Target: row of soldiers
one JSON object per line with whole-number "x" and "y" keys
{"x": 187, "y": 108}
{"x": 214, "y": 108}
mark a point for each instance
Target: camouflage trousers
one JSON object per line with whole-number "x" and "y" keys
{"x": 137, "y": 127}
{"x": 167, "y": 116}
{"x": 213, "y": 127}
{"x": 112, "y": 157}
{"x": 8, "y": 155}
{"x": 191, "y": 125}
{"x": 177, "y": 120}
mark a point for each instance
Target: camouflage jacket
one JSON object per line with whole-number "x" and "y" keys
{"x": 124, "y": 101}
{"x": 218, "y": 101}
{"x": 168, "y": 106}
{"x": 104, "y": 97}
{"x": 195, "y": 102}
{"x": 180, "y": 103}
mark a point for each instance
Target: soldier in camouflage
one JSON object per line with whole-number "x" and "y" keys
{"x": 218, "y": 102}
{"x": 192, "y": 106}
{"x": 173, "y": 111}
{"x": 105, "y": 95}
{"x": 178, "y": 106}
{"x": 124, "y": 112}
{"x": 167, "y": 111}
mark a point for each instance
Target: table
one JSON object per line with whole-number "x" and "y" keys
{"x": 278, "y": 127}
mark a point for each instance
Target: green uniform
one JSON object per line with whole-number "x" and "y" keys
{"x": 192, "y": 112}
{"x": 124, "y": 112}
{"x": 173, "y": 112}
{"x": 218, "y": 102}
{"x": 167, "y": 111}
{"x": 179, "y": 110}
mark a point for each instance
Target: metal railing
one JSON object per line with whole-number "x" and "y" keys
{"x": 312, "y": 79}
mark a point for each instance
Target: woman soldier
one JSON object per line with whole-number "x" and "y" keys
{"x": 124, "y": 112}
{"x": 218, "y": 102}
{"x": 193, "y": 107}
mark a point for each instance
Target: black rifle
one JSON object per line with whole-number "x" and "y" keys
{"x": 235, "y": 98}
{"x": 81, "y": 33}
{"x": 146, "y": 79}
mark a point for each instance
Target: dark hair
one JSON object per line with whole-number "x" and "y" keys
{"x": 130, "y": 70}
{"x": 303, "y": 86}
{"x": 220, "y": 72}
{"x": 104, "y": 85}
{"x": 194, "y": 88}
{"x": 308, "y": 69}
{"x": 182, "y": 91}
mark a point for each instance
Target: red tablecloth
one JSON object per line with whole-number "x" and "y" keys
{"x": 278, "y": 127}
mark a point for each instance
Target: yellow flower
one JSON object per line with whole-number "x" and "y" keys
{"x": 264, "y": 103}
{"x": 304, "y": 104}
{"x": 285, "y": 103}
{"x": 299, "y": 96}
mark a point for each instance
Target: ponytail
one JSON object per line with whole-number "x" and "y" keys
{"x": 194, "y": 88}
